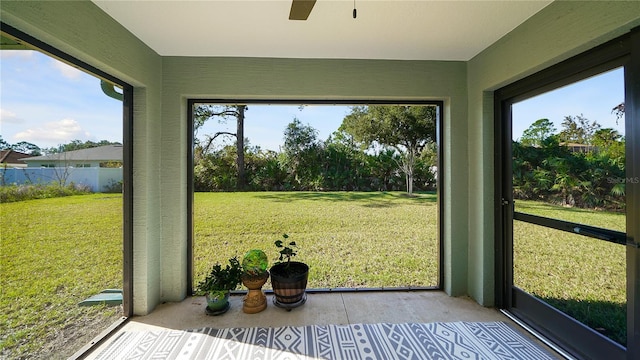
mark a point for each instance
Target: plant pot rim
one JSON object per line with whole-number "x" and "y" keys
{"x": 298, "y": 270}
{"x": 216, "y": 293}
{"x": 283, "y": 264}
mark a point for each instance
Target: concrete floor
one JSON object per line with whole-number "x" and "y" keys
{"x": 321, "y": 308}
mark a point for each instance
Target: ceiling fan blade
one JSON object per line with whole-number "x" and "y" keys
{"x": 300, "y": 9}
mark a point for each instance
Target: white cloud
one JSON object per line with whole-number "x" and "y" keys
{"x": 9, "y": 117}
{"x": 56, "y": 132}
{"x": 66, "y": 70}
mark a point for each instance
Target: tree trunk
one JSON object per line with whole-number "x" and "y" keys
{"x": 406, "y": 181}
{"x": 240, "y": 147}
{"x": 408, "y": 164}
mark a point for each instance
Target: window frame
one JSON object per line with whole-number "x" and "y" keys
{"x": 358, "y": 102}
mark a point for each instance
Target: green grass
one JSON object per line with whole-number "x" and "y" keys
{"x": 55, "y": 253}
{"x": 581, "y": 276}
{"x": 349, "y": 239}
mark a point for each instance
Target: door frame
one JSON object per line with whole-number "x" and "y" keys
{"x": 573, "y": 336}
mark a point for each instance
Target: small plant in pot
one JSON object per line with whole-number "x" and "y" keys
{"x": 288, "y": 278}
{"x": 218, "y": 285}
{"x": 254, "y": 275}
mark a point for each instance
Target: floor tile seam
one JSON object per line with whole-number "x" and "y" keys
{"x": 344, "y": 307}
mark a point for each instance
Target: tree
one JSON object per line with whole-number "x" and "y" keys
{"x": 28, "y": 148}
{"x": 3, "y": 144}
{"x": 384, "y": 169}
{"x": 78, "y": 145}
{"x": 202, "y": 113}
{"x": 618, "y": 111}
{"x": 610, "y": 143}
{"x": 427, "y": 168}
{"x": 266, "y": 171}
{"x": 302, "y": 152}
{"x": 537, "y": 132}
{"x": 22, "y": 146}
{"x": 606, "y": 137}
{"x": 407, "y": 129}
{"x": 215, "y": 170}
{"x": 345, "y": 166}
{"x": 553, "y": 173}
{"x": 578, "y": 130}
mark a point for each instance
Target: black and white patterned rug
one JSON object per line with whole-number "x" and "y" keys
{"x": 457, "y": 340}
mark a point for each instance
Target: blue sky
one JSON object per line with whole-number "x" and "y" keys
{"x": 593, "y": 97}
{"x": 265, "y": 124}
{"x": 48, "y": 103}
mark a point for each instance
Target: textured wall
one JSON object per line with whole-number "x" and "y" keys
{"x": 267, "y": 78}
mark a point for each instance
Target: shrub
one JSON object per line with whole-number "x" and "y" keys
{"x": 13, "y": 193}
{"x": 113, "y": 187}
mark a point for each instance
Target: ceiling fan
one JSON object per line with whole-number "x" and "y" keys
{"x": 300, "y": 9}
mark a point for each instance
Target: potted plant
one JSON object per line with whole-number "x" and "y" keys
{"x": 218, "y": 285}
{"x": 288, "y": 278}
{"x": 254, "y": 275}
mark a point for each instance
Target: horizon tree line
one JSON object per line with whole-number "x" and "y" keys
{"x": 375, "y": 148}
{"x": 547, "y": 166}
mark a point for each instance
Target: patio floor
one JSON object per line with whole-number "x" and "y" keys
{"x": 321, "y": 309}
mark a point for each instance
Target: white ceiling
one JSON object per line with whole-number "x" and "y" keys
{"x": 383, "y": 29}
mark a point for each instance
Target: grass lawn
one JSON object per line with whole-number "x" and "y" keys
{"x": 349, "y": 239}
{"x": 56, "y": 252}
{"x": 581, "y": 276}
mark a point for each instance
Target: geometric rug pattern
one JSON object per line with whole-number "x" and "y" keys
{"x": 455, "y": 340}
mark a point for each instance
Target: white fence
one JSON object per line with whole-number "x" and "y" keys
{"x": 98, "y": 179}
